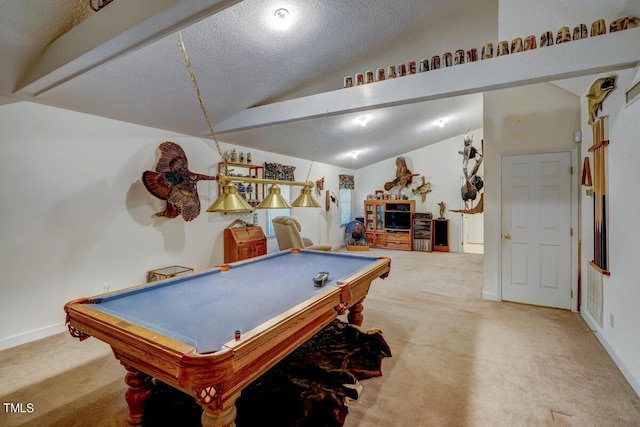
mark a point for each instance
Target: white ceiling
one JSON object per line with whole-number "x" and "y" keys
{"x": 138, "y": 75}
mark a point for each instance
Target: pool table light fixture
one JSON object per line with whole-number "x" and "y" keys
{"x": 305, "y": 200}
{"x": 230, "y": 201}
{"x": 227, "y": 202}
{"x": 274, "y": 199}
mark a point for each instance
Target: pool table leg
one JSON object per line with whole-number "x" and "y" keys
{"x": 355, "y": 315}
{"x": 223, "y": 417}
{"x": 139, "y": 390}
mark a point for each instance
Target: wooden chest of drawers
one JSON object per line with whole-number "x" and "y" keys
{"x": 398, "y": 241}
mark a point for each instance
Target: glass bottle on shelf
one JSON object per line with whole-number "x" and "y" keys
{"x": 249, "y": 190}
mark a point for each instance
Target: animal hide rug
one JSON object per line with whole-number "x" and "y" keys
{"x": 309, "y": 388}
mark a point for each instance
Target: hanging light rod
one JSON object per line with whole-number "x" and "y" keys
{"x": 230, "y": 200}
{"x": 222, "y": 179}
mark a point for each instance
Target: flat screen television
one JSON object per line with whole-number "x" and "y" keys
{"x": 397, "y": 220}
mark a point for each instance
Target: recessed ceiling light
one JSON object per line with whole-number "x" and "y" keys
{"x": 440, "y": 122}
{"x": 281, "y": 19}
{"x": 281, "y": 13}
{"x": 362, "y": 120}
{"x": 354, "y": 154}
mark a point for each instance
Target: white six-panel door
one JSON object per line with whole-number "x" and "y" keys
{"x": 536, "y": 229}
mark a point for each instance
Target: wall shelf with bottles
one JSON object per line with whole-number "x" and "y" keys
{"x": 252, "y": 193}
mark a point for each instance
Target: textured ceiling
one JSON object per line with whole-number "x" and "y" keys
{"x": 27, "y": 27}
{"x": 241, "y": 61}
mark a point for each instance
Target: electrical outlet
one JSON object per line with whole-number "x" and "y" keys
{"x": 106, "y": 288}
{"x": 611, "y": 319}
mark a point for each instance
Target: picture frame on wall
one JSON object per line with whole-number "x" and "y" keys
{"x": 632, "y": 94}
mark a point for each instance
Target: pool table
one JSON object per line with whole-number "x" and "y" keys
{"x": 211, "y": 333}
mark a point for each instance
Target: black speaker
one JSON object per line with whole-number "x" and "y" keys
{"x": 440, "y": 231}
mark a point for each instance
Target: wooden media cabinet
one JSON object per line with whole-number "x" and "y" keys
{"x": 389, "y": 223}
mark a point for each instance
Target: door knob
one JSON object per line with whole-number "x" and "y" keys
{"x": 507, "y": 236}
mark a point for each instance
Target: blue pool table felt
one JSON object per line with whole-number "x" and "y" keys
{"x": 205, "y": 309}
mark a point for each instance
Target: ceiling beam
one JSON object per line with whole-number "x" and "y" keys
{"x": 117, "y": 29}
{"x": 573, "y": 59}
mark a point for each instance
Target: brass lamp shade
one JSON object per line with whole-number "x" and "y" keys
{"x": 230, "y": 201}
{"x": 305, "y": 200}
{"x": 274, "y": 200}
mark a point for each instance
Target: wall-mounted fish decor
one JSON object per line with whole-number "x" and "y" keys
{"x": 599, "y": 90}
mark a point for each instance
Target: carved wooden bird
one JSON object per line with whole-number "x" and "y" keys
{"x": 478, "y": 208}
{"x": 473, "y": 183}
{"x": 404, "y": 177}
{"x": 174, "y": 182}
{"x": 422, "y": 189}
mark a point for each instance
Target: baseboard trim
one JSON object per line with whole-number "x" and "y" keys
{"x": 490, "y": 296}
{"x": 30, "y": 336}
{"x": 633, "y": 382}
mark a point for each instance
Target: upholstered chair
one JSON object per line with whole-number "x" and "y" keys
{"x": 288, "y": 230}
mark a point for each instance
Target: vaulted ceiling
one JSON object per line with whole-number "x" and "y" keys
{"x": 278, "y": 90}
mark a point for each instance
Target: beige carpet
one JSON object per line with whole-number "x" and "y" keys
{"x": 457, "y": 361}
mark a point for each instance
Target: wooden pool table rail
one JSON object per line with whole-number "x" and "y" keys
{"x": 216, "y": 379}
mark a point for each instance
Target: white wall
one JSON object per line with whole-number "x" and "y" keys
{"x": 543, "y": 117}
{"x": 621, "y": 291}
{"x": 528, "y": 119}
{"x": 76, "y": 218}
{"x": 440, "y": 164}
{"x": 519, "y": 18}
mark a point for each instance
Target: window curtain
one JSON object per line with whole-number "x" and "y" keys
{"x": 279, "y": 172}
{"x": 346, "y": 182}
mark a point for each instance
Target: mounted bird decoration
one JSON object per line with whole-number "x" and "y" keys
{"x": 403, "y": 178}
{"x": 173, "y": 182}
{"x": 473, "y": 183}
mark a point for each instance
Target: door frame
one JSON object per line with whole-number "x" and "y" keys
{"x": 575, "y": 220}
{"x": 462, "y": 230}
